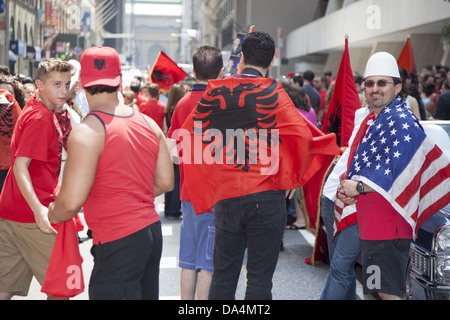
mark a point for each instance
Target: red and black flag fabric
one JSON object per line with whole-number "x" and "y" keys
{"x": 246, "y": 136}
{"x": 166, "y": 72}
{"x": 343, "y": 104}
{"x": 9, "y": 113}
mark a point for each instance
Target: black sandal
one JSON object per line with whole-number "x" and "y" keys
{"x": 294, "y": 227}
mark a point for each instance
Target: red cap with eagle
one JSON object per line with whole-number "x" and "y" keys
{"x": 100, "y": 66}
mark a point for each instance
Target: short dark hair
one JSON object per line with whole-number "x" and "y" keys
{"x": 93, "y": 90}
{"x": 207, "y": 63}
{"x": 309, "y": 75}
{"x": 153, "y": 90}
{"x": 298, "y": 79}
{"x": 258, "y": 48}
{"x": 428, "y": 88}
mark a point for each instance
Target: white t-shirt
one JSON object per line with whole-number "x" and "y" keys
{"x": 332, "y": 183}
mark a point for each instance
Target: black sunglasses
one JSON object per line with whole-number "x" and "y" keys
{"x": 380, "y": 83}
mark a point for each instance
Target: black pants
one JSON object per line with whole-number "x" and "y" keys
{"x": 128, "y": 268}
{"x": 3, "y": 174}
{"x": 172, "y": 208}
{"x": 256, "y": 222}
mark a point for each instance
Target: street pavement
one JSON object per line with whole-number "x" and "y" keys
{"x": 293, "y": 278}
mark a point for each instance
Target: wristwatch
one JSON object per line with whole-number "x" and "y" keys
{"x": 360, "y": 187}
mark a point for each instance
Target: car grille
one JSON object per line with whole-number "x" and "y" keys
{"x": 420, "y": 262}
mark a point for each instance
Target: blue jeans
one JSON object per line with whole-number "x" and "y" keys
{"x": 345, "y": 248}
{"x": 327, "y": 214}
{"x": 172, "y": 208}
{"x": 257, "y": 222}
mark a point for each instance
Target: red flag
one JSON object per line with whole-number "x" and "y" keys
{"x": 406, "y": 58}
{"x": 64, "y": 276}
{"x": 312, "y": 194}
{"x": 246, "y": 136}
{"x": 165, "y": 72}
{"x": 344, "y": 102}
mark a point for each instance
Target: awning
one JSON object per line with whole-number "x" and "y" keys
{"x": 33, "y": 53}
{"x": 17, "y": 47}
{"x": 11, "y": 56}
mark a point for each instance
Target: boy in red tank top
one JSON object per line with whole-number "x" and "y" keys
{"x": 31, "y": 183}
{"x": 126, "y": 164}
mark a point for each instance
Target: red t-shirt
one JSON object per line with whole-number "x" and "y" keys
{"x": 323, "y": 99}
{"x": 121, "y": 200}
{"x": 155, "y": 110}
{"x": 183, "y": 109}
{"x": 378, "y": 220}
{"x": 140, "y": 99}
{"x": 37, "y": 135}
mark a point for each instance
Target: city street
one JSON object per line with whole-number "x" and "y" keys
{"x": 293, "y": 278}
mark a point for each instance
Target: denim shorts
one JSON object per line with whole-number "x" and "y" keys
{"x": 196, "y": 239}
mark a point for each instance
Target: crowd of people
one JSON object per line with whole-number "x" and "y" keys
{"x": 74, "y": 137}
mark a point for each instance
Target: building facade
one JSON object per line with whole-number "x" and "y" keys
{"x": 372, "y": 26}
{"x": 311, "y": 34}
{"x": 153, "y": 26}
{"x": 34, "y": 29}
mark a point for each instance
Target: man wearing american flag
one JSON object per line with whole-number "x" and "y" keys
{"x": 397, "y": 178}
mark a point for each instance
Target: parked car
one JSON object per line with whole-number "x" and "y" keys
{"x": 429, "y": 265}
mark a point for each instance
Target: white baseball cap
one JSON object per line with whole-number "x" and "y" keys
{"x": 382, "y": 64}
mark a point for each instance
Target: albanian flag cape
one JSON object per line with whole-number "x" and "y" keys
{"x": 165, "y": 72}
{"x": 64, "y": 276}
{"x": 246, "y": 136}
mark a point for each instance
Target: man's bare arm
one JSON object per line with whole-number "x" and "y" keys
{"x": 84, "y": 148}
{"x": 164, "y": 175}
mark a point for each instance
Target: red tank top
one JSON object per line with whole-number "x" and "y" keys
{"x": 121, "y": 200}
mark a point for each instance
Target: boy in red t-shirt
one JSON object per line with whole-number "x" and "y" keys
{"x": 197, "y": 228}
{"x": 153, "y": 107}
{"x": 26, "y": 234}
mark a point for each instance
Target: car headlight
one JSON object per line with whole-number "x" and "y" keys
{"x": 443, "y": 240}
{"x": 442, "y": 269}
{"x": 442, "y": 255}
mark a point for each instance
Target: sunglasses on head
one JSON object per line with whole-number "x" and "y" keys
{"x": 379, "y": 83}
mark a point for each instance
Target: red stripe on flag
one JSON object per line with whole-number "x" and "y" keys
{"x": 412, "y": 188}
{"x": 347, "y": 221}
{"x": 432, "y": 209}
{"x": 434, "y": 181}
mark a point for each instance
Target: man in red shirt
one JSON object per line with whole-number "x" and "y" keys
{"x": 196, "y": 251}
{"x": 31, "y": 184}
{"x": 126, "y": 164}
{"x": 388, "y": 180}
{"x": 153, "y": 107}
